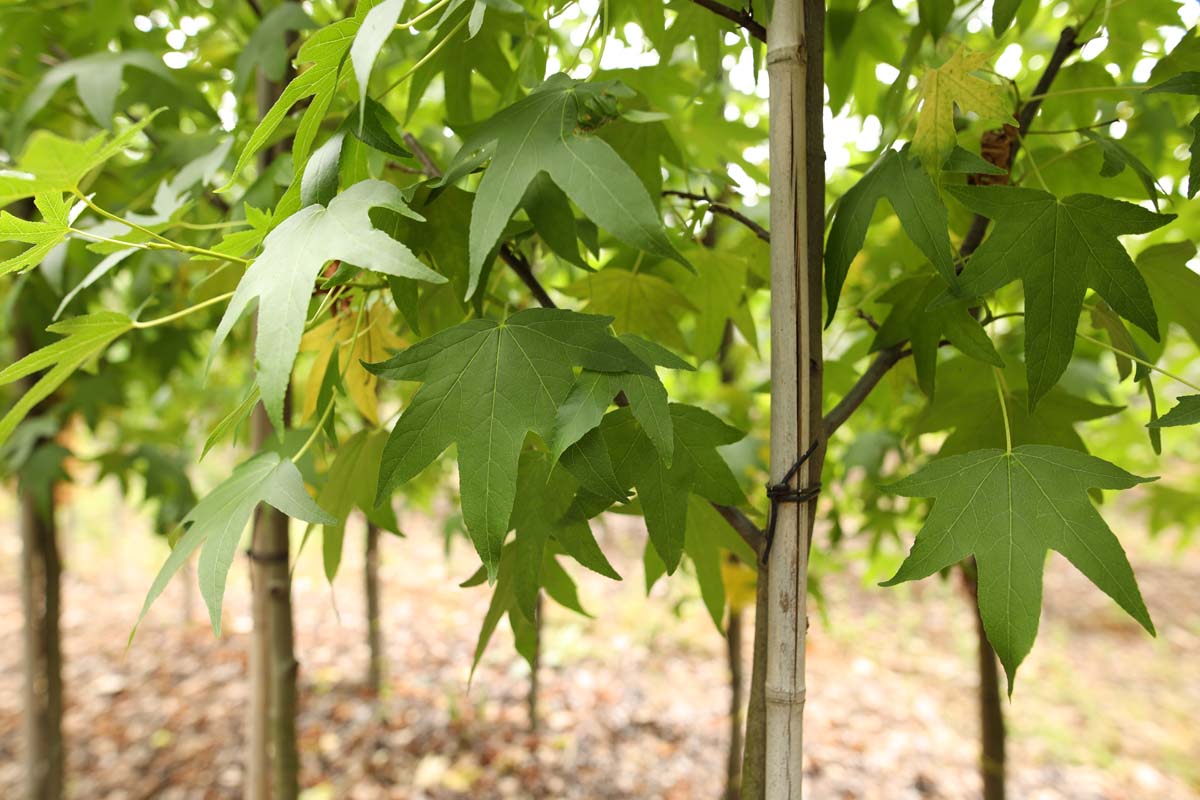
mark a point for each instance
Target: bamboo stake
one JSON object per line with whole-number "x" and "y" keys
{"x": 795, "y": 374}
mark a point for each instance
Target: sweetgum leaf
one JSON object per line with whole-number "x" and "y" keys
{"x": 697, "y": 468}
{"x": 349, "y": 484}
{"x": 910, "y": 319}
{"x": 326, "y": 50}
{"x": 98, "y": 80}
{"x": 86, "y": 337}
{"x": 1003, "y": 12}
{"x": 1007, "y": 510}
{"x": 1187, "y": 83}
{"x": 281, "y": 279}
{"x": 546, "y": 132}
{"x": 1058, "y": 248}
{"x": 917, "y": 204}
{"x": 217, "y": 522}
{"x": 51, "y": 163}
{"x": 486, "y": 385}
{"x": 943, "y": 88}
{"x": 44, "y": 235}
{"x": 1187, "y": 412}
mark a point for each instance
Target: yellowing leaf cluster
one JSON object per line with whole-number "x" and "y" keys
{"x": 371, "y": 340}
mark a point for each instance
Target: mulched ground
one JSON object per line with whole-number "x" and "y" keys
{"x": 634, "y": 703}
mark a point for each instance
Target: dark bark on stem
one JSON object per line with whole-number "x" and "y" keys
{"x": 271, "y": 738}
{"x": 534, "y": 683}
{"x": 884, "y": 361}
{"x": 376, "y": 663}
{"x": 41, "y": 574}
{"x": 724, "y": 210}
{"x": 754, "y": 757}
{"x": 284, "y": 667}
{"x": 740, "y": 18}
{"x": 733, "y": 651}
{"x": 991, "y": 707}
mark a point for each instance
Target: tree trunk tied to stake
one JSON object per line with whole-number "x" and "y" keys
{"x": 797, "y": 199}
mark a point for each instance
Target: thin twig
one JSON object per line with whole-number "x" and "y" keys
{"x": 427, "y": 162}
{"x": 722, "y": 209}
{"x": 859, "y": 392}
{"x": 741, "y": 18}
{"x": 867, "y": 318}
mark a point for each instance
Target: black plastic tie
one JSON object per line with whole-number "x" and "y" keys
{"x": 783, "y": 492}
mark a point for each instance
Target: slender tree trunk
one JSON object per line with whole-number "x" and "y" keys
{"x": 187, "y": 608}
{"x": 271, "y": 724}
{"x": 754, "y": 760}
{"x": 733, "y": 649}
{"x": 534, "y": 687}
{"x": 733, "y": 631}
{"x": 41, "y": 573}
{"x": 991, "y": 708}
{"x": 794, "y": 39}
{"x": 273, "y": 666}
{"x": 258, "y": 728}
{"x": 375, "y": 667}
{"x": 284, "y": 667}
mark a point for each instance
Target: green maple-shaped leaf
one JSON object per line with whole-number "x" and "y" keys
{"x": 662, "y": 490}
{"x": 912, "y": 320}
{"x": 350, "y": 484}
{"x": 44, "y": 235}
{"x": 1187, "y": 83}
{"x": 594, "y": 392}
{"x": 1187, "y": 412}
{"x": 1003, "y": 12}
{"x": 546, "y": 132}
{"x": 1173, "y": 286}
{"x": 1058, "y": 248}
{"x": 1007, "y": 509}
{"x": 86, "y": 337}
{"x": 707, "y": 541}
{"x": 940, "y": 90}
{"x": 51, "y": 163}
{"x": 917, "y": 204}
{"x": 98, "y": 78}
{"x": 717, "y": 292}
{"x": 639, "y": 302}
{"x": 281, "y": 279}
{"x": 326, "y": 50}
{"x": 486, "y": 384}
{"x": 968, "y": 406}
{"x": 543, "y": 522}
{"x": 218, "y": 521}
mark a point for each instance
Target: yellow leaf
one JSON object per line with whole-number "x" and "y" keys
{"x": 376, "y": 341}
{"x": 321, "y": 340}
{"x": 740, "y": 583}
{"x": 939, "y": 90}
